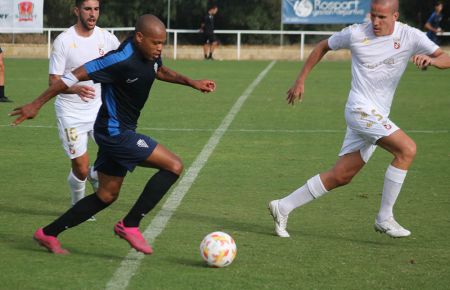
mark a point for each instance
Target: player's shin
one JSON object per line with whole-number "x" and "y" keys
{"x": 80, "y": 212}
{"x": 153, "y": 192}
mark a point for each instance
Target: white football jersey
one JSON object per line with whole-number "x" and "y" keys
{"x": 378, "y": 62}
{"x": 70, "y": 51}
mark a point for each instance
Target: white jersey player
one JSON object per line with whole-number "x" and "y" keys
{"x": 380, "y": 51}
{"x": 76, "y": 114}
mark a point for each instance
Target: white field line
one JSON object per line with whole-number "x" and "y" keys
{"x": 299, "y": 131}
{"x": 132, "y": 261}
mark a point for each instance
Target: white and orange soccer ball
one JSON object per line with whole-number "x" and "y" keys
{"x": 218, "y": 249}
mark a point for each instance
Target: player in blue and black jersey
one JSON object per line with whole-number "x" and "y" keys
{"x": 126, "y": 76}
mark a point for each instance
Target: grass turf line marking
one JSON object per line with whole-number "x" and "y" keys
{"x": 300, "y": 131}
{"x": 131, "y": 262}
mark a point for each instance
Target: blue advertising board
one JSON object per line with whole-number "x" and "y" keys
{"x": 325, "y": 11}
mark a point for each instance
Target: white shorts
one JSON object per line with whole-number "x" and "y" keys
{"x": 74, "y": 134}
{"x": 364, "y": 128}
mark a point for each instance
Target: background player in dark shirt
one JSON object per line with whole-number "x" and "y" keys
{"x": 209, "y": 38}
{"x": 433, "y": 24}
{"x": 126, "y": 75}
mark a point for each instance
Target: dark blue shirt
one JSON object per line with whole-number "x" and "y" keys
{"x": 126, "y": 77}
{"x": 434, "y": 20}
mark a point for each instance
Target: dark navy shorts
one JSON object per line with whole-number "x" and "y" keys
{"x": 121, "y": 153}
{"x": 209, "y": 38}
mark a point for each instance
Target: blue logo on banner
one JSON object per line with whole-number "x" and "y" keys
{"x": 325, "y": 11}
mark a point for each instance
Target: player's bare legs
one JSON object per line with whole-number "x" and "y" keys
{"x": 404, "y": 150}
{"x": 212, "y": 48}
{"x": 343, "y": 171}
{"x": 401, "y": 146}
{"x": 340, "y": 174}
{"x": 206, "y": 47}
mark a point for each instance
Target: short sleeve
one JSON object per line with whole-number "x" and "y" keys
{"x": 57, "y": 63}
{"x": 113, "y": 42}
{"x": 423, "y": 44}
{"x": 341, "y": 39}
{"x": 101, "y": 71}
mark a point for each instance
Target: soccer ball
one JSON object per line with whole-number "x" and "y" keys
{"x": 218, "y": 249}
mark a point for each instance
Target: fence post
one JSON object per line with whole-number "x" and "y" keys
{"x": 239, "y": 46}
{"x": 175, "y": 44}
{"x": 49, "y": 42}
{"x": 302, "y": 45}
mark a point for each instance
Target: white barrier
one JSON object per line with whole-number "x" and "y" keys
{"x": 238, "y": 33}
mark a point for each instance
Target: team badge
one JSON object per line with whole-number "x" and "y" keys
{"x": 101, "y": 52}
{"x": 397, "y": 43}
{"x": 387, "y": 126}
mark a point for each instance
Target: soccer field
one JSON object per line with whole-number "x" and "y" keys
{"x": 242, "y": 146}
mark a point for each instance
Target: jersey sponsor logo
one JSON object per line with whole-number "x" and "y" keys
{"x": 141, "y": 143}
{"x": 387, "y": 61}
{"x": 130, "y": 81}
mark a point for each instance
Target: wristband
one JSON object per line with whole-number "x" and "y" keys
{"x": 69, "y": 79}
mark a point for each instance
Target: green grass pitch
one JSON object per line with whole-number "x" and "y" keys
{"x": 269, "y": 150}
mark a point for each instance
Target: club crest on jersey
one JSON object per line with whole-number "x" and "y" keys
{"x": 101, "y": 51}
{"x": 397, "y": 43}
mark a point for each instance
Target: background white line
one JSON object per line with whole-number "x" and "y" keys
{"x": 300, "y": 131}
{"x": 132, "y": 261}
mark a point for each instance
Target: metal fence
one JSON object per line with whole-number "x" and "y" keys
{"x": 175, "y": 33}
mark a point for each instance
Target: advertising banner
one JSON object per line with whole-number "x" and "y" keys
{"x": 21, "y": 16}
{"x": 325, "y": 11}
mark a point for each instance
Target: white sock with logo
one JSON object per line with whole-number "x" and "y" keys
{"x": 77, "y": 187}
{"x": 393, "y": 182}
{"x": 312, "y": 189}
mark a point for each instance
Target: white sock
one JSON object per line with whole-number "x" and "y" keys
{"x": 93, "y": 178}
{"x": 76, "y": 186}
{"x": 312, "y": 189}
{"x": 393, "y": 182}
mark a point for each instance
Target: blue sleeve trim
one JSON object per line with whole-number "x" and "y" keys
{"x": 109, "y": 60}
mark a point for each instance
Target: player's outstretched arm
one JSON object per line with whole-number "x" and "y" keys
{"x": 438, "y": 59}
{"x": 30, "y": 110}
{"x": 168, "y": 75}
{"x": 297, "y": 90}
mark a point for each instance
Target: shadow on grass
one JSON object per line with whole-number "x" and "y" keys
{"x": 20, "y": 211}
{"x": 193, "y": 263}
{"x": 223, "y": 222}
